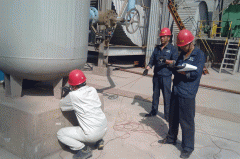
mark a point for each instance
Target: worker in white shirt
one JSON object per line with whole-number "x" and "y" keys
{"x": 85, "y": 102}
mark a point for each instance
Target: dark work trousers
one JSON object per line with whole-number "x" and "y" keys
{"x": 182, "y": 110}
{"x": 163, "y": 83}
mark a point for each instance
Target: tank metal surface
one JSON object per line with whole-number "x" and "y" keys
{"x": 42, "y": 40}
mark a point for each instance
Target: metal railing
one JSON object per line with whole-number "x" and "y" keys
{"x": 214, "y": 28}
{"x": 204, "y": 41}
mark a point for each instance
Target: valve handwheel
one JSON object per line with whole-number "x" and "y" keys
{"x": 132, "y": 20}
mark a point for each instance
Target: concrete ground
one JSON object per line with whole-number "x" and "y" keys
{"x": 127, "y": 98}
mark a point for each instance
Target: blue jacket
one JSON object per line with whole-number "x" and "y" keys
{"x": 169, "y": 52}
{"x": 186, "y": 86}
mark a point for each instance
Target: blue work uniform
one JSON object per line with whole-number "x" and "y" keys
{"x": 182, "y": 109}
{"x": 162, "y": 76}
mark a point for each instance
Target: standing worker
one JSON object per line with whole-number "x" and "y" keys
{"x": 185, "y": 87}
{"x": 86, "y": 104}
{"x": 163, "y": 56}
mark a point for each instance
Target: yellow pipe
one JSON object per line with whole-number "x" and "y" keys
{"x": 230, "y": 25}
{"x": 226, "y": 41}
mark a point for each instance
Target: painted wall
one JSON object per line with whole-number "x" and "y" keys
{"x": 231, "y": 14}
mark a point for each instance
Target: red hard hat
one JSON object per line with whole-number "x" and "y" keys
{"x": 76, "y": 77}
{"x": 165, "y": 32}
{"x": 184, "y": 37}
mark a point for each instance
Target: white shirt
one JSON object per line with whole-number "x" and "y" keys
{"x": 87, "y": 106}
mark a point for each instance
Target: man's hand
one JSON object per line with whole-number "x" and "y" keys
{"x": 66, "y": 90}
{"x": 169, "y": 61}
{"x": 182, "y": 72}
{"x": 145, "y": 72}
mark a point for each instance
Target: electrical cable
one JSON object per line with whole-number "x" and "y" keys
{"x": 128, "y": 127}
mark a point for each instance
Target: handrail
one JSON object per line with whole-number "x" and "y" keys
{"x": 213, "y": 27}
{"x": 204, "y": 42}
{"x": 213, "y": 32}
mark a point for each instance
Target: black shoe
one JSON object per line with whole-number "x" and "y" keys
{"x": 84, "y": 153}
{"x": 100, "y": 144}
{"x": 185, "y": 154}
{"x": 150, "y": 114}
{"x": 166, "y": 141}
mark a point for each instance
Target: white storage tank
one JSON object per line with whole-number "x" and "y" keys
{"x": 42, "y": 39}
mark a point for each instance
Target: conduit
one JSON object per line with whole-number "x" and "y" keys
{"x": 202, "y": 85}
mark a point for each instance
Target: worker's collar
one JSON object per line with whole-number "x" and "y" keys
{"x": 193, "y": 53}
{"x": 80, "y": 88}
{"x": 167, "y": 46}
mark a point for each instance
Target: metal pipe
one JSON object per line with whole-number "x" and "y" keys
{"x": 152, "y": 29}
{"x": 131, "y": 4}
{"x": 93, "y": 16}
{"x": 202, "y": 85}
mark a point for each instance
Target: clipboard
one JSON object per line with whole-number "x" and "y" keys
{"x": 187, "y": 67}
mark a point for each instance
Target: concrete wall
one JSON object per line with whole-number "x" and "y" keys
{"x": 29, "y": 125}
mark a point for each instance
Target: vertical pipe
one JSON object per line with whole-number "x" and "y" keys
{"x": 1, "y": 76}
{"x": 166, "y": 15}
{"x": 131, "y": 4}
{"x": 214, "y": 10}
{"x": 152, "y": 29}
{"x": 106, "y": 5}
{"x": 163, "y": 14}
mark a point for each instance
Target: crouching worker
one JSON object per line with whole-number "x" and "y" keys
{"x": 86, "y": 104}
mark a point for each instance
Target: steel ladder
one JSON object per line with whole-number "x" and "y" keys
{"x": 230, "y": 60}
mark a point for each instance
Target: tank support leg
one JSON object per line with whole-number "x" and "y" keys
{"x": 65, "y": 81}
{"x": 16, "y": 86}
{"x": 7, "y": 85}
{"x": 101, "y": 69}
{"x": 57, "y": 88}
{"x": 101, "y": 56}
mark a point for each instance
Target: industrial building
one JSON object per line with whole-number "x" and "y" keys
{"x": 209, "y": 21}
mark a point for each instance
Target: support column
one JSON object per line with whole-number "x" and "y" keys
{"x": 7, "y": 85}
{"x": 152, "y": 29}
{"x": 100, "y": 55}
{"x": 57, "y": 88}
{"x": 65, "y": 81}
{"x": 106, "y": 5}
{"x": 16, "y": 86}
{"x": 101, "y": 69}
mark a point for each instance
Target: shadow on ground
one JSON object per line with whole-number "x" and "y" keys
{"x": 156, "y": 123}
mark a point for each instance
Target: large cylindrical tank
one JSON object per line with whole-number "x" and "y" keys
{"x": 43, "y": 39}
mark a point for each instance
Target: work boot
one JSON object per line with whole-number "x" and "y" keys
{"x": 151, "y": 114}
{"x": 84, "y": 153}
{"x": 100, "y": 144}
{"x": 167, "y": 141}
{"x": 185, "y": 154}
